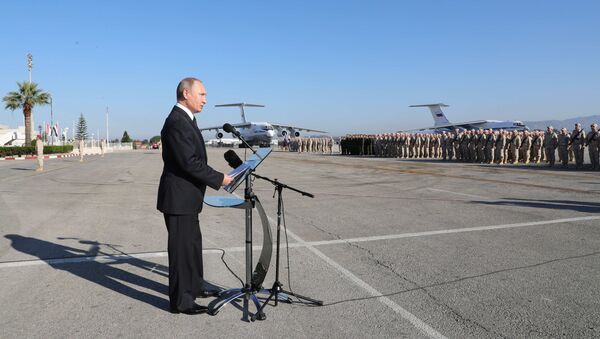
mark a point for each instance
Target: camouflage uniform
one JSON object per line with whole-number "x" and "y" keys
{"x": 578, "y": 143}
{"x": 550, "y": 144}
{"x": 592, "y": 141}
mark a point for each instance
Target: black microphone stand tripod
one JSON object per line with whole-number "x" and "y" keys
{"x": 277, "y": 285}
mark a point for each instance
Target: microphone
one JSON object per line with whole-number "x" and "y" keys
{"x": 232, "y": 158}
{"x": 230, "y": 129}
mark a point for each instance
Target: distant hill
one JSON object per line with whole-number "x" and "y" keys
{"x": 568, "y": 123}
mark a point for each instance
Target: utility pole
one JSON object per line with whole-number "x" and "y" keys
{"x": 107, "y": 139}
{"x": 29, "y": 67}
{"x": 52, "y": 124}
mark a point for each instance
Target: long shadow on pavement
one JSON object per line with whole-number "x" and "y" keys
{"x": 102, "y": 273}
{"x": 579, "y": 206}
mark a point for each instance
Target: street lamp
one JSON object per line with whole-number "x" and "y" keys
{"x": 29, "y": 65}
{"x": 52, "y": 123}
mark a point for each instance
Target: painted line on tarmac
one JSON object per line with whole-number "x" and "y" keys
{"x": 116, "y": 257}
{"x": 457, "y": 193}
{"x": 450, "y": 231}
{"x": 416, "y": 322}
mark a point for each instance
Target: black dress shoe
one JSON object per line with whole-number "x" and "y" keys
{"x": 196, "y": 309}
{"x": 206, "y": 294}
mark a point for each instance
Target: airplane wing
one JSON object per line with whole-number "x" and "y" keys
{"x": 217, "y": 128}
{"x": 465, "y": 125}
{"x": 296, "y": 128}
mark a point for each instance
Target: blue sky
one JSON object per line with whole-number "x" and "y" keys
{"x": 340, "y": 66}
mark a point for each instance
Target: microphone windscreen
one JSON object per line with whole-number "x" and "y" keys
{"x": 232, "y": 159}
{"x": 228, "y": 128}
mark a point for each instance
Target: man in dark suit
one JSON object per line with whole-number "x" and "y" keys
{"x": 181, "y": 193}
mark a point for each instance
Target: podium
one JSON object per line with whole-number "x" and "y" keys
{"x": 254, "y": 279}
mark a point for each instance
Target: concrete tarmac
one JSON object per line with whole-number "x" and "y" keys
{"x": 395, "y": 248}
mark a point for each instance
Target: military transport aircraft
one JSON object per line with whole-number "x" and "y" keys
{"x": 259, "y": 133}
{"x": 441, "y": 123}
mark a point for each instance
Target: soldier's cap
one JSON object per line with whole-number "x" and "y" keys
{"x": 550, "y": 127}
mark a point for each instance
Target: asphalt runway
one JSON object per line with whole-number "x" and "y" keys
{"x": 395, "y": 248}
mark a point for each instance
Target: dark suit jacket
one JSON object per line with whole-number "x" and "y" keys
{"x": 186, "y": 172}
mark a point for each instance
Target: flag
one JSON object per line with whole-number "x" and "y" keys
{"x": 47, "y": 129}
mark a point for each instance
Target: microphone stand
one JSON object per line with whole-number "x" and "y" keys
{"x": 277, "y": 285}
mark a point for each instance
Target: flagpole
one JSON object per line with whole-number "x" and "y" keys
{"x": 51, "y": 123}
{"x": 107, "y": 139}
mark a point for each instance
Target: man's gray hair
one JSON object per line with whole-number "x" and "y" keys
{"x": 186, "y": 83}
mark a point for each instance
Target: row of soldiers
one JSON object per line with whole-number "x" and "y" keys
{"x": 311, "y": 145}
{"x": 483, "y": 146}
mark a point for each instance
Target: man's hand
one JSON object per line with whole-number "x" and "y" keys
{"x": 226, "y": 180}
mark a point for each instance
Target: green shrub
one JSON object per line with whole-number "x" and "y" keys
{"x": 30, "y": 150}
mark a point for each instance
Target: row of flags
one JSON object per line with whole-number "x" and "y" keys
{"x": 52, "y": 130}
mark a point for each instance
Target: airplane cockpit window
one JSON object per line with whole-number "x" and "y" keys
{"x": 267, "y": 128}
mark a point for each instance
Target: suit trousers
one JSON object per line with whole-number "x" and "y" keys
{"x": 186, "y": 269}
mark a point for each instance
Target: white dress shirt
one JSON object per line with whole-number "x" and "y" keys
{"x": 187, "y": 110}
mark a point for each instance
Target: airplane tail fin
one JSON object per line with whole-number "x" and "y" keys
{"x": 439, "y": 118}
{"x": 241, "y": 105}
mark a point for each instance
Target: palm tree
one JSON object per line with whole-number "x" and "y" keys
{"x": 28, "y": 96}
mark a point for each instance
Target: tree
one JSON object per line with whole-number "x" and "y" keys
{"x": 125, "y": 137}
{"x": 155, "y": 139}
{"x": 28, "y": 96}
{"x": 81, "y": 128}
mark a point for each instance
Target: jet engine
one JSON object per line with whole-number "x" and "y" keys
{"x": 219, "y": 135}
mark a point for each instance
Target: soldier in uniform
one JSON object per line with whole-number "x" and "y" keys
{"x": 433, "y": 145}
{"x": 444, "y": 144}
{"x": 102, "y": 148}
{"x": 394, "y": 145}
{"x": 377, "y": 146}
{"x": 456, "y": 144}
{"x": 515, "y": 144}
{"x": 417, "y": 141}
{"x": 404, "y": 145}
{"x": 550, "y": 144}
{"x": 592, "y": 141}
{"x": 525, "y": 149}
{"x": 490, "y": 142}
{"x": 472, "y": 146}
{"x": 564, "y": 138}
{"x": 81, "y": 150}
{"x": 450, "y": 145}
{"x": 342, "y": 144}
{"x": 536, "y": 146}
{"x": 480, "y": 146}
{"x": 578, "y": 143}
{"x": 464, "y": 146}
{"x": 499, "y": 153}
{"x": 39, "y": 147}
{"x": 401, "y": 140}
{"x": 411, "y": 145}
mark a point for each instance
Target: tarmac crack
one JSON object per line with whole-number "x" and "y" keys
{"x": 467, "y": 322}
{"x": 416, "y": 287}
